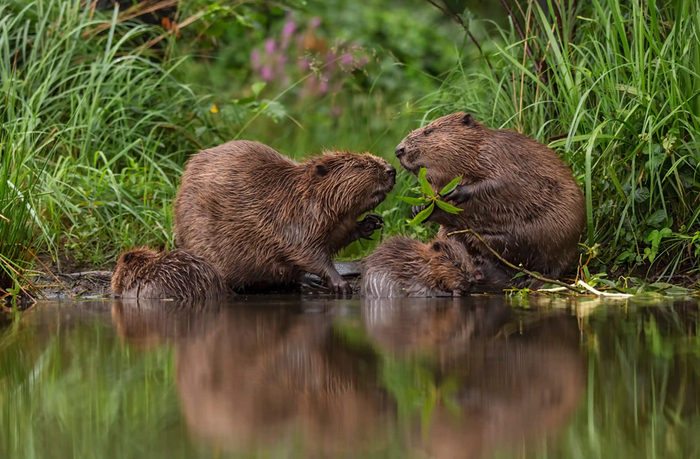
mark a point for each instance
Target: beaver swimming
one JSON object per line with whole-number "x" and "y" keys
{"x": 405, "y": 267}
{"x": 145, "y": 273}
{"x": 517, "y": 194}
{"x": 262, "y": 218}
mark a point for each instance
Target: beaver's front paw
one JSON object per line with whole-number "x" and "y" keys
{"x": 415, "y": 210}
{"x": 459, "y": 195}
{"x": 369, "y": 225}
{"x": 340, "y": 286}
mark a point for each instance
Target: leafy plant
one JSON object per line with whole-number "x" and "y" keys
{"x": 429, "y": 199}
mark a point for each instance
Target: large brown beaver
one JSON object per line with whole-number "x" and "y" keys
{"x": 516, "y": 193}
{"x": 145, "y": 273}
{"x": 405, "y": 267}
{"x": 260, "y": 217}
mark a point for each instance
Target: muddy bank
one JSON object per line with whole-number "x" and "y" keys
{"x": 95, "y": 284}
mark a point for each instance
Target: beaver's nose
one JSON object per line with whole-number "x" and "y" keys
{"x": 391, "y": 170}
{"x": 400, "y": 151}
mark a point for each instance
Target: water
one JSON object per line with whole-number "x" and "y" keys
{"x": 286, "y": 377}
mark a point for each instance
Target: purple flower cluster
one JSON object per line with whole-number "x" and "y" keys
{"x": 301, "y": 50}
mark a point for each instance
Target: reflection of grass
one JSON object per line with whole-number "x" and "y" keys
{"x": 643, "y": 387}
{"x": 79, "y": 393}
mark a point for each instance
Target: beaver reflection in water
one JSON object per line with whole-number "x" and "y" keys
{"x": 251, "y": 378}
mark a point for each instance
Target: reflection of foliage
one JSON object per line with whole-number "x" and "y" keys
{"x": 413, "y": 385}
{"x": 409, "y": 379}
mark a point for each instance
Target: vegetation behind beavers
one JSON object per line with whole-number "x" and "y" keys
{"x": 145, "y": 273}
{"x": 259, "y": 216}
{"x": 516, "y": 193}
{"x": 406, "y": 267}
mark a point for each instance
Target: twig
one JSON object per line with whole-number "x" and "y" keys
{"x": 131, "y": 13}
{"x": 599, "y": 293}
{"x": 102, "y": 274}
{"x": 456, "y": 17}
{"x": 511, "y": 265}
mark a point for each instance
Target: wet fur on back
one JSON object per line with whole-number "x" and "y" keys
{"x": 145, "y": 273}
{"x": 259, "y": 217}
{"x": 405, "y": 267}
{"x": 519, "y": 195}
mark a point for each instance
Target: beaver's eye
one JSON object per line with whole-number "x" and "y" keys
{"x": 428, "y": 131}
{"x": 455, "y": 264}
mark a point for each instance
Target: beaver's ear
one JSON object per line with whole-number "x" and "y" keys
{"x": 437, "y": 246}
{"x": 320, "y": 170}
{"x": 468, "y": 120}
{"x": 127, "y": 257}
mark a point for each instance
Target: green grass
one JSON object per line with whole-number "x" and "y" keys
{"x": 618, "y": 99}
{"x": 97, "y": 131}
{"x": 95, "y": 128}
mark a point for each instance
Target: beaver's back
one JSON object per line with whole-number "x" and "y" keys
{"x": 175, "y": 274}
{"x": 231, "y": 198}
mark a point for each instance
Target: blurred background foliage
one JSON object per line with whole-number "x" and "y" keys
{"x": 102, "y": 106}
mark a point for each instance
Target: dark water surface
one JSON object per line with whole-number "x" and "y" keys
{"x": 320, "y": 377}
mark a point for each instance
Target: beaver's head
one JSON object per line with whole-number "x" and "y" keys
{"x": 441, "y": 147}
{"x": 129, "y": 267}
{"x": 452, "y": 267}
{"x": 350, "y": 182}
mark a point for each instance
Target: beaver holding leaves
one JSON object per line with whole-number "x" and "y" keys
{"x": 263, "y": 219}
{"x": 516, "y": 193}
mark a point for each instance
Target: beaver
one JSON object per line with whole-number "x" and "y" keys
{"x": 405, "y": 267}
{"x": 261, "y": 217}
{"x": 145, "y": 273}
{"x": 516, "y": 193}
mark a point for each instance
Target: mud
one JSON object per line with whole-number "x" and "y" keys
{"x": 95, "y": 284}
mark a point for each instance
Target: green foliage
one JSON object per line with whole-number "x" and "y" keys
{"x": 617, "y": 98}
{"x": 430, "y": 199}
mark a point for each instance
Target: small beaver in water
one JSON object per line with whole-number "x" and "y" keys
{"x": 260, "y": 217}
{"x": 145, "y": 273}
{"x": 405, "y": 267}
{"x": 517, "y": 194}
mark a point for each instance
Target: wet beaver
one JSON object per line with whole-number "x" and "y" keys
{"x": 260, "y": 217}
{"x": 145, "y": 273}
{"x": 516, "y": 193}
{"x": 405, "y": 267}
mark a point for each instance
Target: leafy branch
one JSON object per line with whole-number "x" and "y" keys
{"x": 562, "y": 285}
{"x": 429, "y": 199}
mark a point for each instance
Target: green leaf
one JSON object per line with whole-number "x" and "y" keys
{"x": 448, "y": 207}
{"x": 449, "y": 188}
{"x": 425, "y": 186}
{"x": 422, "y": 215}
{"x": 415, "y": 201}
{"x": 655, "y": 219}
{"x": 258, "y": 87}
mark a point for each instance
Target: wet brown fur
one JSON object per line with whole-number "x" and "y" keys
{"x": 260, "y": 217}
{"x": 405, "y": 267}
{"x": 523, "y": 199}
{"x": 145, "y": 273}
